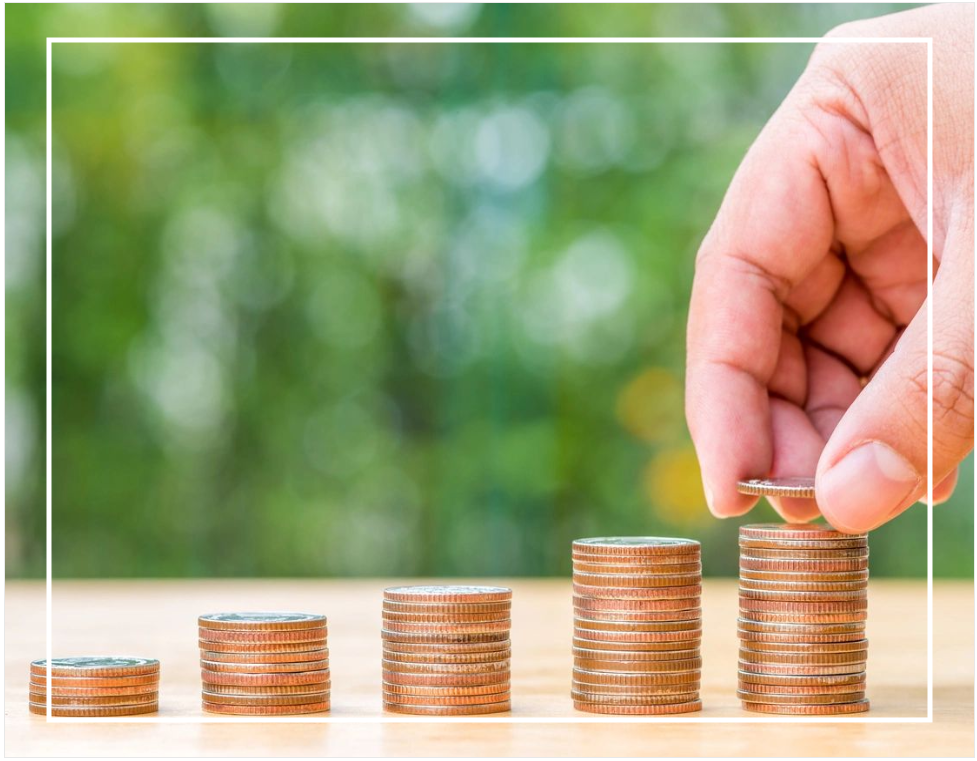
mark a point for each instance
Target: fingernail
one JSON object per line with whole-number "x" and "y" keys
{"x": 864, "y": 488}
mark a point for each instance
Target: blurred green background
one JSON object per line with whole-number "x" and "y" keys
{"x": 333, "y": 309}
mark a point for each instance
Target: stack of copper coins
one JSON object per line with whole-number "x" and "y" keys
{"x": 803, "y": 605}
{"x": 637, "y": 625}
{"x": 264, "y": 664}
{"x": 96, "y": 686}
{"x": 446, "y": 650}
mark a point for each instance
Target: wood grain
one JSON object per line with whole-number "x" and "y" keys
{"x": 158, "y": 619}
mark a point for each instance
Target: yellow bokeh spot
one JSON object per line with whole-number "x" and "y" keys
{"x": 673, "y": 486}
{"x": 651, "y": 406}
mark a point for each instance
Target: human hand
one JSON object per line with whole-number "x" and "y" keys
{"x": 807, "y": 325}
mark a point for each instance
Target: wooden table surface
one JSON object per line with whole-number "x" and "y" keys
{"x": 158, "y": 619}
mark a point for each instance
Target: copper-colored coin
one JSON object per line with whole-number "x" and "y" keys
{"x": 789, "y": 606}
{"x": 494, "y": 646}
{"x": 806, "y": 647}
{"x": 435, "y": 693}
{"x": 789, "y": 640}
{"x": 688, "y": 595}
{"x": 267, "y": 621}
{"x": 445, "y": 637}
{"x": 802, "y": 544}
{"x": 258, "y": 691}
{"x": 802, "y": 596}
{"x": 262, "y": 647}
{"x": 484, "y": 667}
{"x": 94, "y": 711}
{"x": 803, "y": 586}
{"x": 265, "y": 668}
{"x": 625, "y": 666}
{"x": 77, "y": 701}
{"x": 628, "y": 568}
{"x": 266, "y": 710}
{"x": 446, "y": 680}
{"x": 447, "y": 594}
{"x": 472, "y": 627}
{"x": 264, "y": 680}
{"x": 448, "y": 710}
{"x": 835, "y": 699}
{"x": 636, "y": 545}
{"x": 643, "y": 580}
{"x": 602, "y": 644}
{"x": 496, "y": 655}
{"x": 447, "y": 609}
{"x": 634, "y": 700}
{"x": 806, "y": 618}
{"x": 317, "y": 634}
{"x": 631, "y": 690}
{"x": 605, "y": 635}
{"x": 305, "y": 656}
{"x": 796, "y": 669}
{"x": 797, "y": 487}
{"x": 97, "y": 666}
{"x": 400, "y": 698}
{"x": 764, "y": 553}
{"x": 809, "y": 710}
{"x": 780, "y": 627}
{"x": 805, "y": 680}
{"x": 803, "y": 566}
{"x": 795, "y": 531}
{"x": 445, "y": 618}
{"x": 300, "y": 698}
{"x": 812, "y": 658}
{"x": 689, "y": 616}
{"x": 637, "y": 626}
{"x": 140, "y": 689}
{"x": 586, "y": 676}
{"x": 635, "y": 655}
{"x": 800, "y": 690}
{"x": 100, "y": 681}
{"x": 795, "y": 577}
{"x": 692, "y": 705}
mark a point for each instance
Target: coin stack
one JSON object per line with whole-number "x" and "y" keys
{"x": 96, "y": 686}
{"x": 446, "y": 650}
{"x": 803, "y": 605}
{"x": 264, "y": 664}
{"x": 637, "y": 625}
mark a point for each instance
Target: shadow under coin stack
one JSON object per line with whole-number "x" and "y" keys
{"x": 446, "y": 650}
{"x": 637, "y": 625}
{"x": 264, "y": 664}
{"x": 96, "y": 686}
{"x": 803, "y": 605}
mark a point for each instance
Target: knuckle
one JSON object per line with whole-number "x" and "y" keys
{"x": 953, "y": 397}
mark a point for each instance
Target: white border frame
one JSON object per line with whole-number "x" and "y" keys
{"x": 384, "y": 719}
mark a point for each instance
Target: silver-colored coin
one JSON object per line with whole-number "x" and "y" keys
{"x": 802, "y": 488}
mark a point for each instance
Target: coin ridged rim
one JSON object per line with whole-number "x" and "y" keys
{"x": 802, "y": 544}
{"x": 642, "y": 580}
{"x": 94, "y": 711}
{"x": 756, "y": 585}
{"x": 114, "y": 666}
{"x": 586, "y": 676}
{"x": 481, "y": 667}
{"x": 787, "y": 627}
{"x": 621, "y": 699}
{"x": 82, "y": 701}
{"x": 800, "y": 689}
{"x": 636, "y": 626}
{"x": 493, "y": 646}
{"x": 261, "y": 648}
{"x": 603, "y": 635}
{"x": 801, "y": 595}
{"x": 466, "y": 627}
{"x": 435, "y": 692}
{"x": 631, "y": 689}
{"x": 694, "y": 705}
{"x": 806, "y": 618}
{"x": 801, "y": 680}
{"x": 810, "y": 658}
{"x": 265, "y": 668}
{"x": 638, "y": 615}
{"x": 762, "y": 646}
{"x": 445, "y": 637}
{"x": 304, "y": 656}
{"x": 766, "y": 553}
{"x": 406, "y": 699}
{"x": 813, "y": 699}
{"x": 815, "y": 606}
{"x": 447, "y": 608}
{"x": 447, "y": 658}
{"x": 445, "y": 680}
{"x": 262, "y": 621}
{"x": 809, "y": 710}
{"x": 647, "y": 647}
{"x": 98, "y": 681}
{"x": 627, "y": 569}
{"x": 801, "y": 669}
{"x": 258, "y": 691}
{"x": 798, "y": 487}
{"x": 139, "y": 689}
{"x": 800, "y": 566}
{"x": 300, "y": 677}
{"x": 447, "y": 593}
{"x": 796, "y": 531}
{"x": 621, "y": 665}
{"x": 266, "y": 710}
{"x": 443, "y": 710}
{"x": 298, "y": 698}
{"x": 309, "y": 634}
{"x": 587, "y": 653}
{"x": 655, "y": 598}
{"x": 445, "y": 619}
{"x": 637, "y": 545}
{"x": 791, "y": 577}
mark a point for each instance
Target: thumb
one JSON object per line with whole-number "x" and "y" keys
{"x": 874, "y": 465}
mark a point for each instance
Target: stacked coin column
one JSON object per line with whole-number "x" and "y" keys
{"x": 446, "y": 650}
{"x": 96, "y": 686}
{"x": 637, "y": 625}
{"x": 803, "y": 605}
{"x": 264, "y": 664}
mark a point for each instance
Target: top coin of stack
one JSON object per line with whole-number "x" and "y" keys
{"x": 803, "y": 605}
{"x": 96, "y": 686}
{"x": 637, "y": 625}
{"x": 446, "y": 650}
{"x": 264, "y": 664}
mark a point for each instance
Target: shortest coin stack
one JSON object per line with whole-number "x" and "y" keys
{"x": 446, "y": 650}
{"x": 264, "y": 664}
{"x": 803, "y": 604}
{"x": 96, "y": 685}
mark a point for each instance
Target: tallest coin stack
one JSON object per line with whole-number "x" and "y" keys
{"x": 803, "y": 605}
